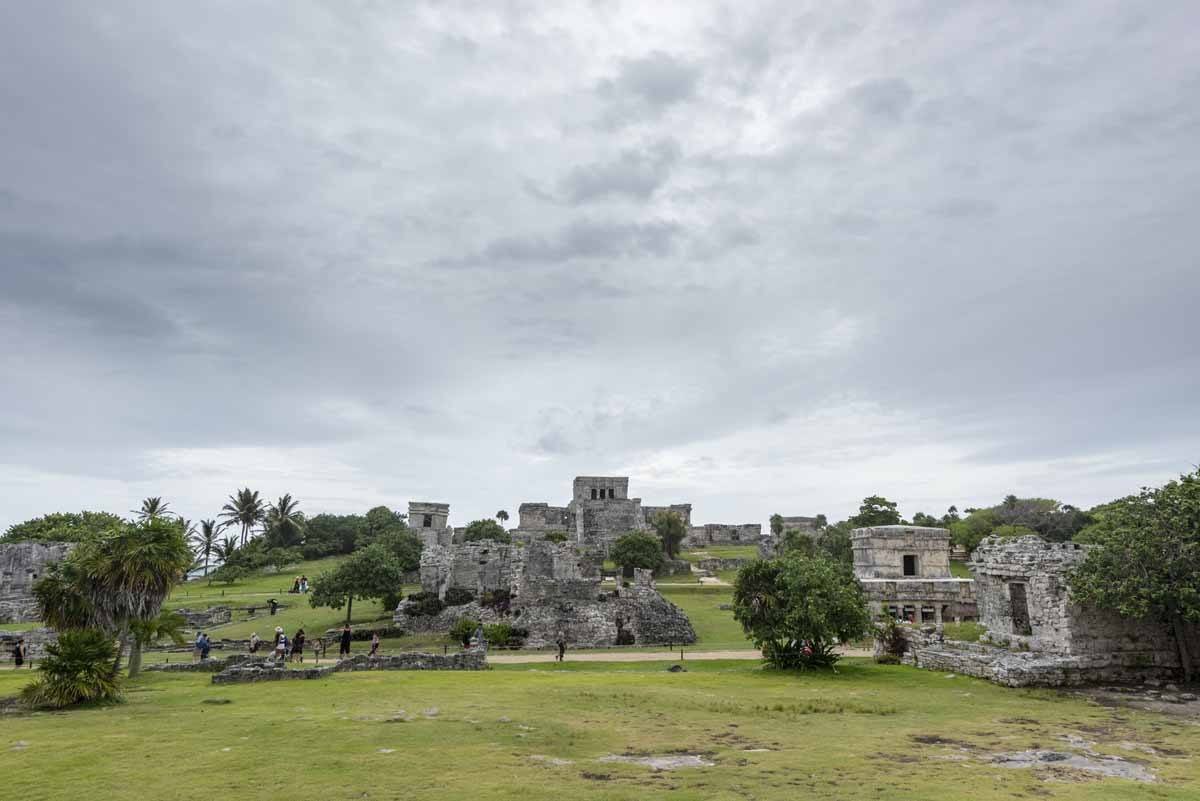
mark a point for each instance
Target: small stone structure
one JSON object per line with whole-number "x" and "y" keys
{"x": 431, "y": 522}
{"x": 768, "y": 543}
{"x": 206, "y": 618}
{"x": 243, "y": 668}
{"x": 1037, "y": 635}
{"x": 22, "y": 564}
{"x": 555, "y": 592}
{"x": 601, "y": 510}
{"x": 905, "y": 571}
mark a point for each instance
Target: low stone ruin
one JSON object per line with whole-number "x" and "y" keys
{"x": 905, "y": 573}
{"x": 246, "y": 668}
{"x": 206, "y": 618}
{"x": 1037, "y": 635}
{"x": 553, "y": 591}
{"x": 22, "y": 564}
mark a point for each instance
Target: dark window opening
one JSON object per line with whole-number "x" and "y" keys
{"x": 427, "y": 522}
{"x": 910, "y": 564}
{"x": 1020, "y": 609}
{"x": 928, "y": 615}
{"x": 612, "y": 493}
{"x": 593, "y": 493}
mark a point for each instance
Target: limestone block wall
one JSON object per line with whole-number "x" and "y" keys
{"x": 684, "y": 510}
{"x": 604, "y": 487}
{"x": 880, "y": 551}
{"x": 1048, "y": 621}
{"x": 22, "y": 564}
{"x": 600, "y": 523}
{"x": 474, "y": 566}
{"x": 724, "y": 534}
{"x": 940, "y": 600}
{"x": 544, "y": 517}
{"x": 426, "y": 514}
{"x": 205, "y": 618}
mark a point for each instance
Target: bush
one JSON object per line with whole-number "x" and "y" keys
{"x": 637, "y": 549}
{"x": 384, "y": 633}
{"x": 456, "y": 596}
{"x": 228, "y": 574}
{"x": 887, "y": 659}
{"x": 890, "y": 636}
{"x": 963, "y": 632}
{"x": 502, "y": 635}
{"x": 555, "y": 536}
{"x": 425, "y": 603}
{"x": 79, "y": 668}
{"x": 463, "y": 630}
{"x": 486, "y": 530}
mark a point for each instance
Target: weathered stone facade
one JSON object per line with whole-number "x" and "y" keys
{"x": 206, "y": 618}
{"x": 431, "y": 522}
{"x": 244, "y": 669}
{"x": 555, "y": 592}
{"x": 21, "y": 564}
{"x": 905, "y": 572}
{"x": 723, "y": 534}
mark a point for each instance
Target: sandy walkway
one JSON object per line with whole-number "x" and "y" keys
{"x": 637, "y": 656}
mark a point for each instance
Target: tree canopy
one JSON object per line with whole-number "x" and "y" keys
{"x": 638, "y": 549}
{"x": 486, "y": 530}
{"x": 797, "y": 608}
{"x": 1147, "y": 564}
{"x": 63, "y": 527}
{"x": 876, "y": 510}
{"x": 671, "y": 530}
{"x": 370, "y": 573}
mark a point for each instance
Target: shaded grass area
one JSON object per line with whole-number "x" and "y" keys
{"x": 960, "y": 570}
{"x": 537, "y": 732}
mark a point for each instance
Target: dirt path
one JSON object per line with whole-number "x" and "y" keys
{"x": 639, "y": 656}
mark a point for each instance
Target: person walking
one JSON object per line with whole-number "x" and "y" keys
{"x": 298, "y": 645}
{"x": 318, "y": 650}
{"x": 254, "y": 641}
{"x": 303, "y": 584}
{"x": 197, "y": 646}
{"x": 562, "y": 649}
{"x": 344, "y": 643}
{"x": 205, "y": 647}
{"x": 375, "y": 643}
{"x": 281, "y": 648}
{"x": 18, "y": 654}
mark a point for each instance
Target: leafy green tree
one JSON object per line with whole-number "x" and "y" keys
{"x": 244, "y": 509}
{"x": 114, "y": 582}
{"x": 821, "y": 522}
{"x": 370, "y": 573}
{"x": 63, "y": 527}
{"x": 284, "y": 523}
{"x": 638, "y": 549}
{"x": 798, "y": 608}
{"x": 671, "y": 530}
{"x": 463, "y": 630}
{"x": 777, "y": 525}
{"x": 380, "y": 520}
{"x": 1147, "y": 564}
{"x": 486, "y": 530}
{"x": 876, "y": 510}
{"x": 405, "y": 546}
{"x": 228, "y": 574}
{"x": 205, "y": 542}
{"x": 225, "y": 548}
{"x": 1013, "y": 531}
{"x": 922, "y": 519}
{"x": 326, "y": 534}
{"x": 153, "y": 508}
{"x": 834, "y": 543}
{"x": 971, "y": 530}
{"x": 79, "y": 668}
{"x": 167, "y": 625}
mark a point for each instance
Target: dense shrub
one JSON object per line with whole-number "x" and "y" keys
{"x": 463, "y": 630}
{"x": 425, "y": 603}
{"x": 889, "y": 634}
{"x": 384, "y": 633}
{"x": 485, "y": 530}
{"x": 456, "y": 596}
{"x": 63, "y": 527}
{"x": 502, "y": 635}
{"x": 637, "y": 549}
{"x": 79, "y": 668}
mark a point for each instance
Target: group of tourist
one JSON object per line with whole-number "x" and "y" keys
{"x": 201, "y": 647}
{"x": 300, "y": 585}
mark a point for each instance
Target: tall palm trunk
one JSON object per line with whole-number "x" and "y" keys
{"x": 135, "y": 658}
{"x": 122, "y": 641}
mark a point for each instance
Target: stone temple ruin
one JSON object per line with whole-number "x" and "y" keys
{"x": 550, "y": 590}
{"x": 22, "y": 564}
{"x": 905, "y": 572}
{"x": 600, "y": 511}
{"x": 1037, "y": 635}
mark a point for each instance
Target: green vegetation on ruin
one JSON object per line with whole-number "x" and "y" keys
{"x": 536, "y": 732}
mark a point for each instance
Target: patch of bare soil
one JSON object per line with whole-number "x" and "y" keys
{"x": 1062, "y": 764}
{"x": 662, "y": 761}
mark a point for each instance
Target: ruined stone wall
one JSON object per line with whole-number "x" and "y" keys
{"x": 426, "y": 514}
{"x": 800, "y": 523}
{"x": 474, "y": 566}
{"x": 880, "y": 551}
{"x": 601, "y": 523}
{"x": 723, "y": 534}
{"x": 939, "y": 600}
{"x": 21, "y": 564}
{"x": 1049, "y": 621}
{"x": 206, "y": 618}
{"x": 684, "y": 510}
{"x": 544, "y": 517}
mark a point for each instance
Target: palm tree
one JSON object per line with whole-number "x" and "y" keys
{"x": 117, "y": 582}
{"x": 245, "y": 509}
{"x": 285, "y": 523}
{"x": 206, "y": 541}
{"x": 225, "y": 548}
{"x": 152, "y": 509}
{"x": 167, "y": 625}
{"x": 502, "y": 516}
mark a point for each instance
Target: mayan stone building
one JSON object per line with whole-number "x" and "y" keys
{"x": 431, "y": 522}
{"x": 1037, "y": 635}
{"x": 600, "y": 511}
{"x": 905, "y": 572}
{"x": 555, "y": 592}
{"x": 21, "y": 564}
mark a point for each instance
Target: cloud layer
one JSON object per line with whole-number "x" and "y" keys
{"x": 760, "y": 257}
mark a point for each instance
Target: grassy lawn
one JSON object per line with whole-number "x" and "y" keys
{"x": 959, "y": 570}
{"x": 716, "y": 630}
{"x": 721, "y": 552}
{"x": 868, "y": 732}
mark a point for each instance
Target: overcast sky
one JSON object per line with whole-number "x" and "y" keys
{"x": 759, "y": 257}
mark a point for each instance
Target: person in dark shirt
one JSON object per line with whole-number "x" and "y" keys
{"x": 298, "y": 645}
{"x": 344, "y": 647}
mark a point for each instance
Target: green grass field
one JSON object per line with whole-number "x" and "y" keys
{"x": 868, "y": 732}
